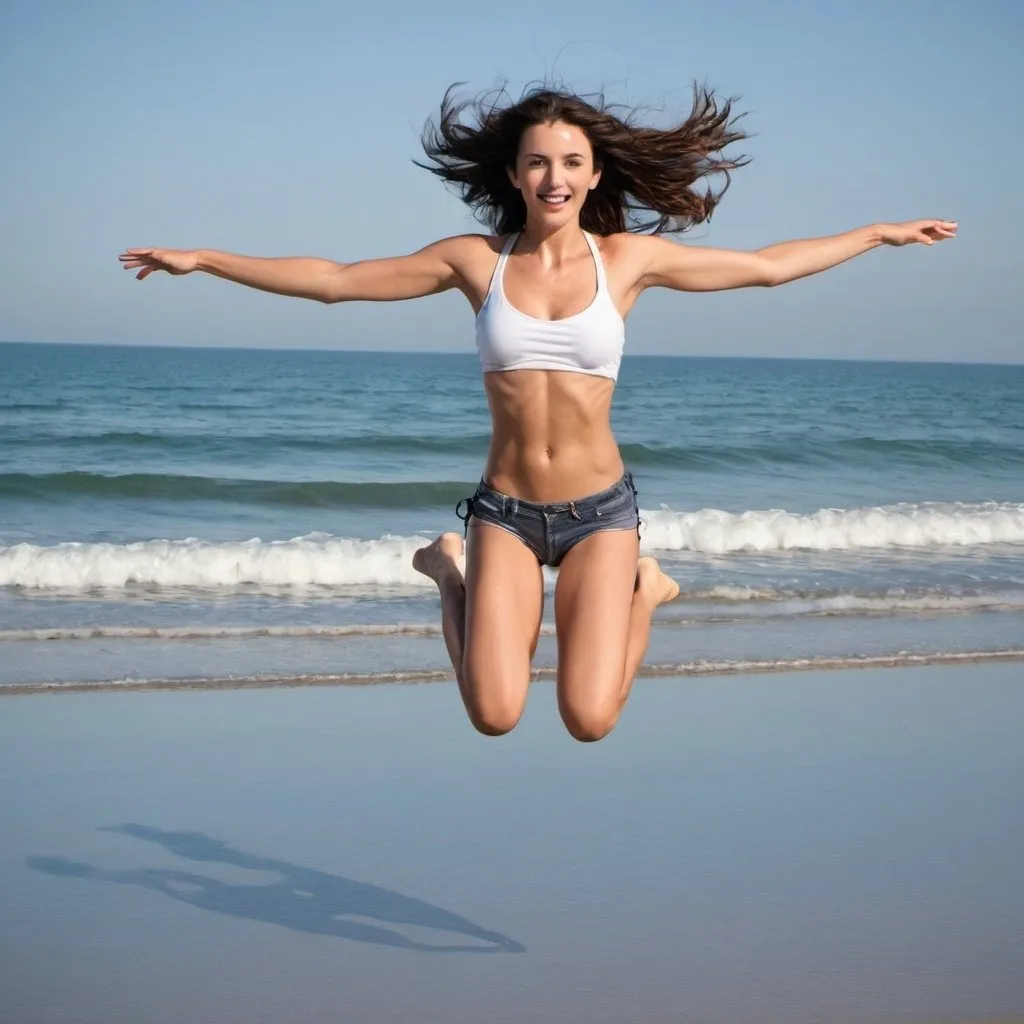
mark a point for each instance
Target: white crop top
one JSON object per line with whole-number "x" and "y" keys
{"x": 588, "y": 342}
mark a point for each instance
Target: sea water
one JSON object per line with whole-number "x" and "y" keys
{"x": 218, "y": 514}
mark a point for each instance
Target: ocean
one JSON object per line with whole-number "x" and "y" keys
{"x": 235, "y": 517}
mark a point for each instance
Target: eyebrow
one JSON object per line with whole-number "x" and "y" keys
{"x": 567, "y": 155}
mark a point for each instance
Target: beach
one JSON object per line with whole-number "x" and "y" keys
{"x": 238, "y": 783}
{"x": 807, "y": 846}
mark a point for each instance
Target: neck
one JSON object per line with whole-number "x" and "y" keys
{"x": 553, "y": 243}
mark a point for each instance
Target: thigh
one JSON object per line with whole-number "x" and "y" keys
{"x": 593, "y": 598}
{"x": 504, "y": 603}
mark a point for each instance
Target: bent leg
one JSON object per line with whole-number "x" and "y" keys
{"x": 604, "y": 600}
{"x": 440, "y": 561}
{"x": 490, "y": 619}
{"x": 504, "y": 603}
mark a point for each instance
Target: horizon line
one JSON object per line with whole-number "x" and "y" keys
{"x": 471, "y": 354}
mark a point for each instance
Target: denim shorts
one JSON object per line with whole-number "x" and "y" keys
{"x": 549, "y": 531}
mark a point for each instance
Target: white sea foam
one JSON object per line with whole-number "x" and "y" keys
{"x": 314, "y": 560}
{"x": 729, "y": 601}
{"x": 719, "y": 604}
{"x": 895, "y": 526}
{"x": 323, "y": 560}
{"x": 900, "y": 659}
{"x": 195, "y": 632}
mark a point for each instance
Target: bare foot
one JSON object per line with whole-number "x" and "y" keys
{"x": 651, "y": 581}
{"x": 440, "y": 559}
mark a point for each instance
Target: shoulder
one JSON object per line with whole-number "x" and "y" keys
{"x": 470, "y": 259}
{"x": 465, "y": 250}
{"x": 628, "y": 244}
{"x": 631, "y": 256}
{"x": 472, "y": 243}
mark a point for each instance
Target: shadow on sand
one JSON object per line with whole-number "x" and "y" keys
{"x": 302, "y": 899}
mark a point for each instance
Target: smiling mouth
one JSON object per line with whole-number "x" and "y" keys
{"x": 555, "y": 200}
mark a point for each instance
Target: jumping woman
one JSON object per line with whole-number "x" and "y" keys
{"x": 578, "y": 199}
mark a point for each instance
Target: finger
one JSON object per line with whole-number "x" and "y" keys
{"x": 132, "y": 264}
{"x": 139, "y": 252}
{"x": 144, "y": 273}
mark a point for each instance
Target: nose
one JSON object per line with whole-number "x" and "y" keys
{"x": 554, "y": 178}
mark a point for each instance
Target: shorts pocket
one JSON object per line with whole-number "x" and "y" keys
{"x": 484, "y": 502}
{"x": 620, "y": 503}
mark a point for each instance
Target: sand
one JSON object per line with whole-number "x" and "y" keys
{"x": 816, "y": 846}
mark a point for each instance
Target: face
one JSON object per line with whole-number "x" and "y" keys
{"x": 554, "y": 171}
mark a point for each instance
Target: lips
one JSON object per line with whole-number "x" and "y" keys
{"x": 554, "y": 200}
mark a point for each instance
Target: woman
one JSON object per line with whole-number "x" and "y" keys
{"x": 557, "y": 178}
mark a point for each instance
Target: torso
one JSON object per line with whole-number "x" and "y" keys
{"x": 551, "y": 439}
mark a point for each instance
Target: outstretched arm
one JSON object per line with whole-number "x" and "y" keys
{"x": 431, "y": 270}
{"x": 668, "y": 264}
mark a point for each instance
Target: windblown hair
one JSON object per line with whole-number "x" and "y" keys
{"x": 648, "y": 175}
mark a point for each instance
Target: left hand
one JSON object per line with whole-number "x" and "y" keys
{"x": 928, "y": 232}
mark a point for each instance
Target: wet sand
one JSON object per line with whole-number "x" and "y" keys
{"x": 816, "y": 846}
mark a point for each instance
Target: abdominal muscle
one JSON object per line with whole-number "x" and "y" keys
{"x": 552, "y": 439}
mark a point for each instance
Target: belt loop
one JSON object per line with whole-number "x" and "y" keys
{"x": 574, "y": 511}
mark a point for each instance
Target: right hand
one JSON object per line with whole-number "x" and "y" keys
{"x": 174, "y": 261}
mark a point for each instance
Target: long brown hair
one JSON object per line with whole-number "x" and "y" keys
{"x": 647, "y": 174}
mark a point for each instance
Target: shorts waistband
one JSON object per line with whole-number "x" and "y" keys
{"x": 624, "y": 483}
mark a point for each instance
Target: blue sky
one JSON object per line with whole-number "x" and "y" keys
{"x": 289, "y": 129}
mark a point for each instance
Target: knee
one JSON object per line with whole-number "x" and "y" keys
{"x": 493, "y": 721}
{"x": 590, "y": 723}
{"x": 492, "y": 714}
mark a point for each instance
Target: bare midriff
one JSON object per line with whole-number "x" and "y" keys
{"x": 552, "y": 439}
